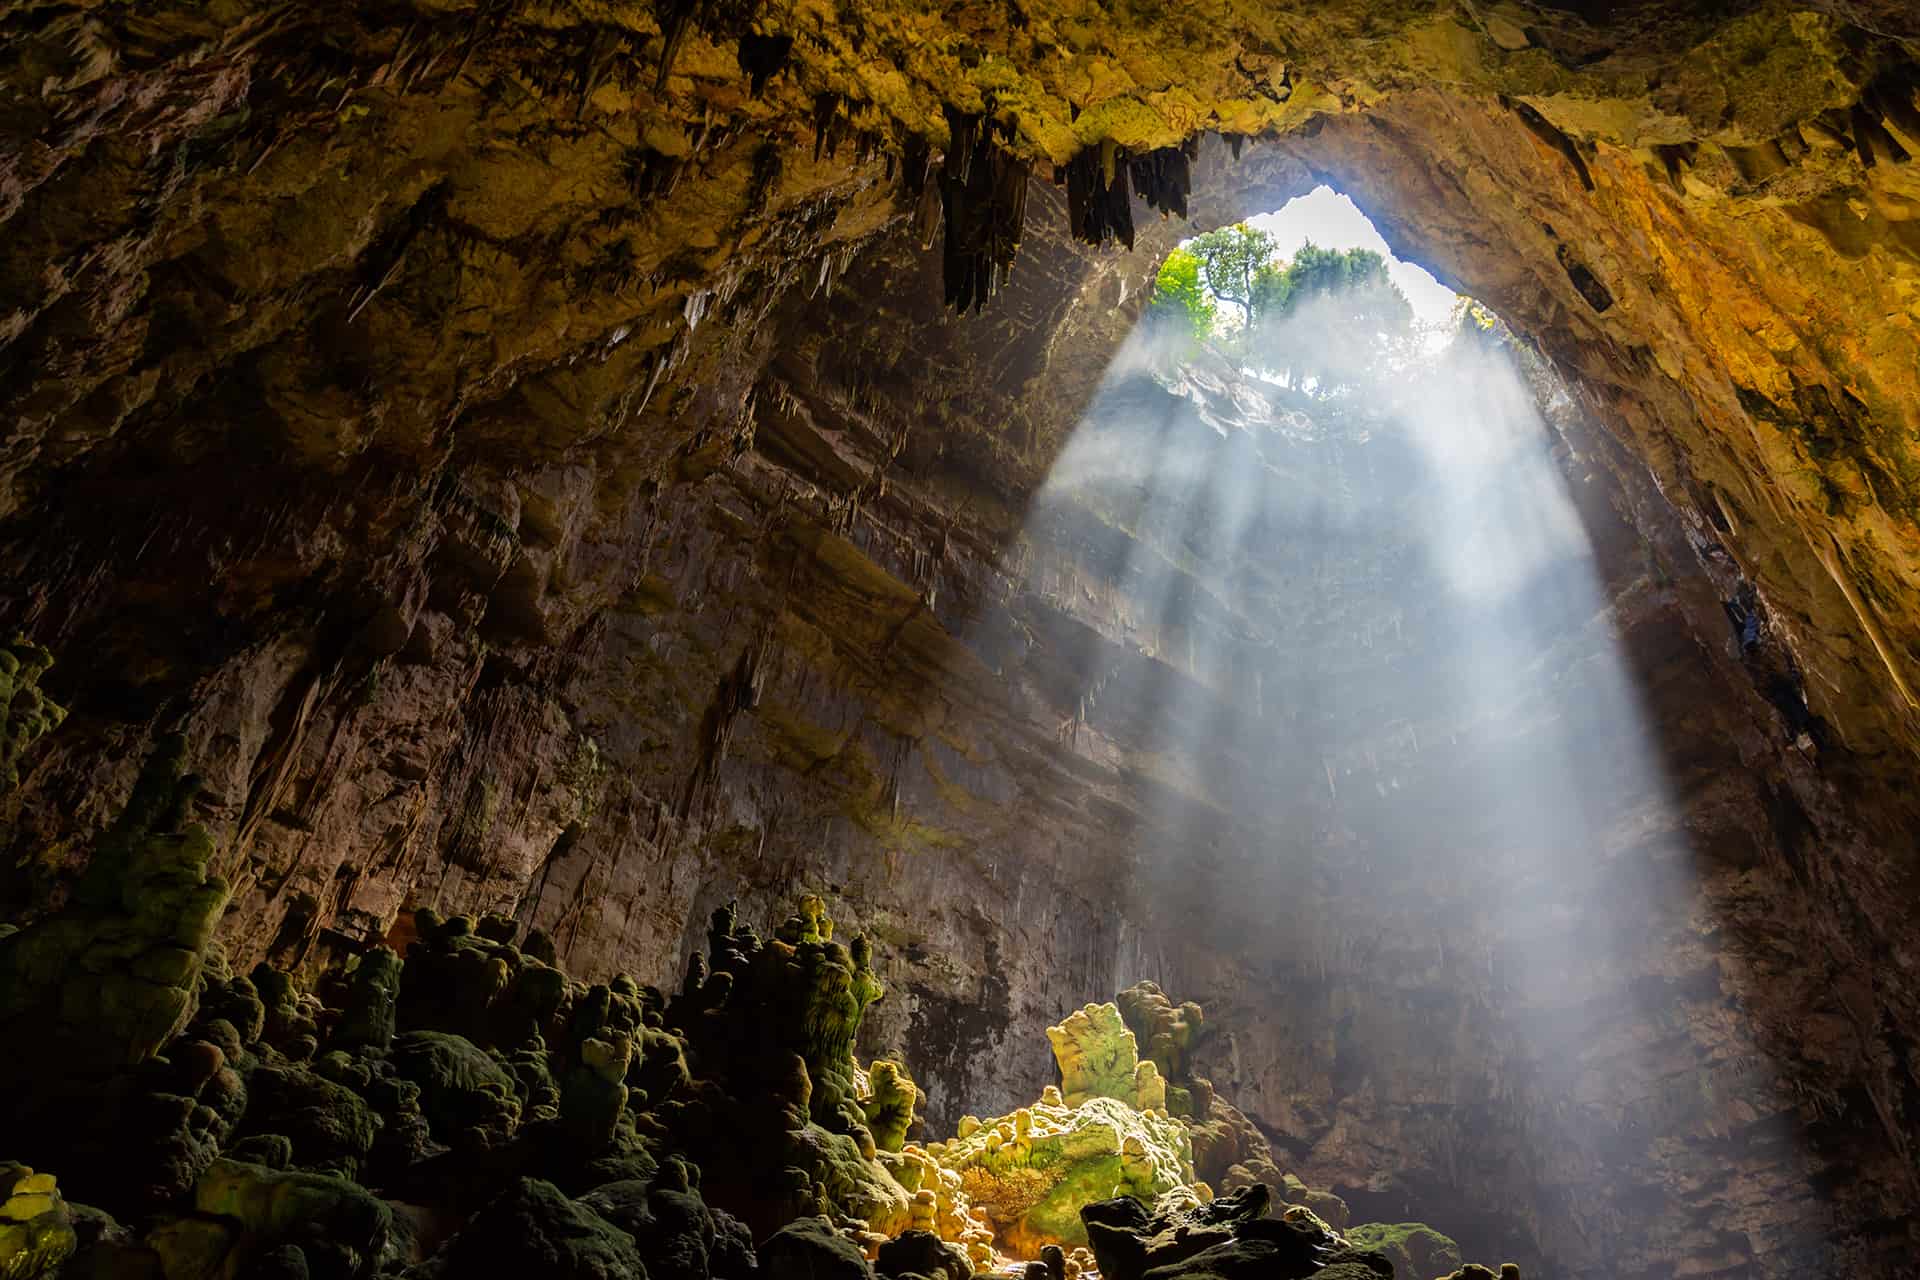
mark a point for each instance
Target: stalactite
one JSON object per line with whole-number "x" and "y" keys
{"x": 594, "y": 66}
{"x": 763, "y": 58}
{"x": 1543, "y": 129}
{"x": 720, "y": 19}
{"x": 1101, "y": 182}
{"x": 983, "y": 197}
{"x": 1675, "y": 161}
{"x": 1163, "y": 178}
{"x": 828, "y": 124}
{"x": 1870, "y": 136}
{"x": 651, "y": 173}
{"x": 916, "y": 162}
{"x": 386, "y": 259}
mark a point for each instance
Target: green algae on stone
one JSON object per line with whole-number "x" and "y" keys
{"x": 595, "y": 1095}
{"x": 323, "y": 1215}
{"x": 1097, "y": 1055}
{"x": 467, "y": 1095}
{"x": 531, "y": 1229}
{"x": 1165, "y": 1032}
{"x": 36, "y": 1227}
{"x": 1416, "y": 1250}
{"x": 1031, "y": 1172}
{"x": 26, "y": 713}
{"x": 367, "y": 1021}
{"x": 889, "y": 1103}
{"x": 104, "y": 982}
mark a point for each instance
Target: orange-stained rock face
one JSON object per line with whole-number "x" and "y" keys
{"x": 536, "y": 484}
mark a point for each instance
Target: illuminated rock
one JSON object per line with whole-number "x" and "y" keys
{"x": 1030, "y": 1173}
{"x": 1096, "y": 1054}
{"x": 36, "y": 1227}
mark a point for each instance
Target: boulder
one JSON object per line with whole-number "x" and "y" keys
{"x": 338, "y": 1227}
{"x": 1417, "y": 1251}
{"x": 468, "y": 1097}
{"x": 532, "y": 1230}
{"x": 36, "y": 1227}
{"x": 811, "y": 1249}
{"x": 922, "y": 1253}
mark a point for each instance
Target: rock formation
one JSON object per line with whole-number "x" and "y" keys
{"x": 521, "y": 459}
{"x": 286, "y": 1135}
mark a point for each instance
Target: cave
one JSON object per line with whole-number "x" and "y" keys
{"x": 626, "y": 650}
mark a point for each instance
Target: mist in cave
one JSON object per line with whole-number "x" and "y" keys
{"x": 1349, "y": 602}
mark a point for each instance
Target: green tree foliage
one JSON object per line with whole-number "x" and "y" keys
{"x": 1328, "y": 320}
{"x": 1231, "y": 261}
{"x": 1179, "y": 299}
{"x": 1325, "y": 320}
{"x": 1357, "y": 274}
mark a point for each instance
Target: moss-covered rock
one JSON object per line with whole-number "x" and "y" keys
{"x": 337, "y": 1226}
{"x": 1097, "y": 1055}
{"x": 1131, "y": 1241}
{"x": 191, "y": 1247}
{"x": 1230, "y": 1152}
{"x": 26, "y": 713}
{"x": 1032, "y": 1172}
{"x": 1325, "y": 1205}
{"x": 105, "y": 982}
{"x": 770, "y": 1023}
{"x": 1165, "y": 1033}
{"x": 368, "y": 1018}
{"x": 1417, "y": 1251}
{"x": 467, "y": 1095}
{"x": 234, "y": 1145}
{"x": 596, "y": 1094}
{"x": 289, "y": 1022}
{"x": 531, "y": 1229}
{"x": 328, "y": 1126}
{"x": 810, "y": 1249}
{"x": 888, "y": 1104}
{"x": 922, "y": 1253}
{"x": 36, "y": 1227}
{"x": 675, "y": 1231}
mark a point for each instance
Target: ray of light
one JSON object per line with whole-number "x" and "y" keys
{"x": 1358, "y": 660}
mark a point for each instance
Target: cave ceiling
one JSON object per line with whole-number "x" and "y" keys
{"x": 521, "y": 232}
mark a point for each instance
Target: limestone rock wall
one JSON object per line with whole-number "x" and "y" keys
{"x": 535, "y": 482}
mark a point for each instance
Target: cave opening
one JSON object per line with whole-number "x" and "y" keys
{"x": 1343, "y": 587}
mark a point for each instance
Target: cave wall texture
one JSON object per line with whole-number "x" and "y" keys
{"x": 533, "y": 465}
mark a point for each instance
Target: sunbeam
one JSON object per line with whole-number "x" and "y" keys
{"x": 1351, "y": 608}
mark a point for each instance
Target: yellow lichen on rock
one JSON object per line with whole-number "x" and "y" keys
{"x": 1029, "y": 1173}
{"x": 36, "y": 1230}
{"x": 1096, "y": 1055}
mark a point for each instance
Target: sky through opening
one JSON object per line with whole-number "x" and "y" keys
{"x": 1332, "y": 221}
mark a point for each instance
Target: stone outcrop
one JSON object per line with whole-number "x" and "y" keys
{"x": 1228, "y": 1237}
{"x": 224, "y": 1153}
{"x": 36, "y": 1227}
{"x": 102, "y": 984}
{"x": 25, "y": 712}
{"x": 1029, "y": 1173}
{"x": 1114, "y": 1128}
{"x": 425, "y": 1153}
